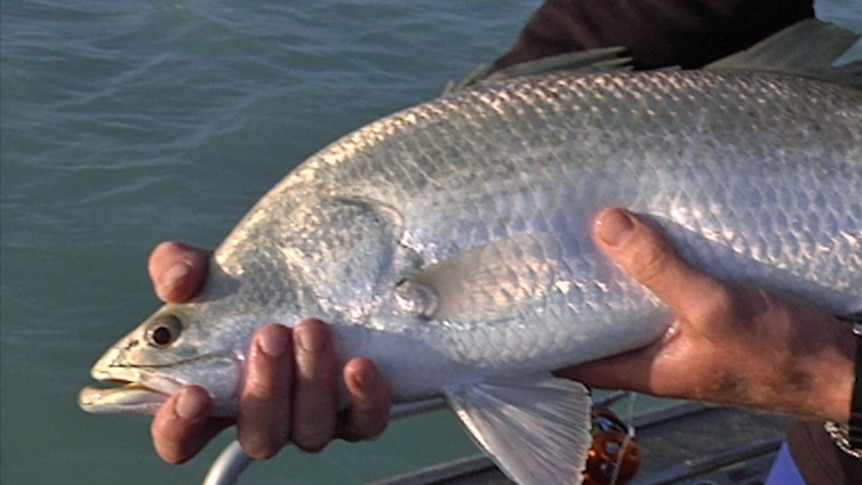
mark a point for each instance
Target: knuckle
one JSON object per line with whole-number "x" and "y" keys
{"x": 731, "y": 305}
{"x": 314, "y": 425}
{"x": 261, "y": 434}
{"x": 259, "y": 388}
{"x": 268, "y": 386}
{"x": 734, "y": 305}
{"x": 718, "y": 305}
{"x": 649, "y": 262}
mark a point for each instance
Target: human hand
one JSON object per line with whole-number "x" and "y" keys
{"x": 289, "y": 394}
{"x": 729, "y": 343}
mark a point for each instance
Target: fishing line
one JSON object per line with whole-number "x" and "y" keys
{"x": 630, "y": 435}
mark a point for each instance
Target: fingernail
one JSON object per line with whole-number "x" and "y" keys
{"x": 613, "y": 227}
{"x": 274, "y": 344}
{"x": 174, "y": 274}
{"x": 311, "y": 337}
{"x": 188, "y": 407}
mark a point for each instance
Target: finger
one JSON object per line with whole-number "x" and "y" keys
{"x": 178, "y": 271}
{"x": 314, "y": 404}
{"x": 644, "y": 253}
{"x": 369, "y": 402}
{"x": 181, "y": 429}
{"x": 263, "y": 423}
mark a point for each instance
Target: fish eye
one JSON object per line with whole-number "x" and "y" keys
{"x": 164, "y": 330}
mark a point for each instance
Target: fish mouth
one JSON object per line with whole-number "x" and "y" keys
{"x": 136, "y": 391}
{"x": 134, "y": 388}
{"x": 131, "y": 398}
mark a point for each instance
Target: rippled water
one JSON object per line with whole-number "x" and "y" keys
{"x": 128, "y": 123}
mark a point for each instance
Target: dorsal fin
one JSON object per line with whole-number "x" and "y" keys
{"x": 592, "y": 60}
{"x": 807, "y": 48}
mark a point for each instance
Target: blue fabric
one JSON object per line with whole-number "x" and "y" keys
{"x": 784, "y": 471}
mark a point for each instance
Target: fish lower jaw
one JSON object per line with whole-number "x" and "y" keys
{"x": 131, "y": 398}
{"x": 135, "y": 392}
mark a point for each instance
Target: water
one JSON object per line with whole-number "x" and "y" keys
{"x": 128, "y": 123}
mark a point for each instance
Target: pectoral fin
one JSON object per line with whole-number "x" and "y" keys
{"x": 537, "y": 431}
{"x": 498, "y": 281}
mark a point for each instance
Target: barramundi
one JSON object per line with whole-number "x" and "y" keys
{"x": 450, "y": 242}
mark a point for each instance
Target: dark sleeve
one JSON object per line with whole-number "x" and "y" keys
{"x": 819, "y": 460}
{"x": 688, "y": 33}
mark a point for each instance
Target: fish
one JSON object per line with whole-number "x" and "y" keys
{"x": 450, "y": 242}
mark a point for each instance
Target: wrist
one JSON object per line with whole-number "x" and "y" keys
{"x": 832, "y": 373}
{"x": 811, "y": 374}
{"x": 848, "y": 437}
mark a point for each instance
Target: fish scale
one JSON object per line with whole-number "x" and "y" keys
{"x": 723, "y": 160}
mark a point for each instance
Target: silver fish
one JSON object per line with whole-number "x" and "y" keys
{"x": 450, "y": 243}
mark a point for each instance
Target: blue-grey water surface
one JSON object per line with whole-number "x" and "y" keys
{"x": 128, "y": 123}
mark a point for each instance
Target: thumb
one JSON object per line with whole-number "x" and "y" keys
{"x": 178, "y": 271}
{"x": 643, "y": 252}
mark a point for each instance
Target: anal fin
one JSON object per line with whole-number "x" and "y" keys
{"x": 537, "y": 430}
